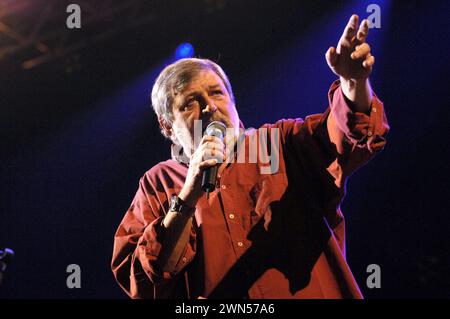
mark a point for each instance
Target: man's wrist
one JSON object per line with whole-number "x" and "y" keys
{"x": 188, "y": 197}
{"x": 179, "y": 205}
{"x": 358, "y": 92}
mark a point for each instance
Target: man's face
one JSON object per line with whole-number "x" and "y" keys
{"x": 205, "y": 89}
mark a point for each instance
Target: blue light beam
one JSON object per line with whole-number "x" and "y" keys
{"x": 184, "y": 50}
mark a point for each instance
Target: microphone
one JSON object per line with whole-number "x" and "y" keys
{"x": 218, "y": 130}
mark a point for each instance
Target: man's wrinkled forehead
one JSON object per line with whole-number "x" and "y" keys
{"x": 191, "y": 82}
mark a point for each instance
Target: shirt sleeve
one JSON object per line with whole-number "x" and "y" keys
{"x": 138, "y": 243}
{"x": 323, "y": 150}
{"x": 338, "y": 140}
{"x": 357, "y": 136}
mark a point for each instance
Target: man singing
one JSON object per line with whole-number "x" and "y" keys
{"x": 262, "y": 232}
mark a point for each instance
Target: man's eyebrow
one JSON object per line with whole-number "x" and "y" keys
{"x": 188, "y": 93}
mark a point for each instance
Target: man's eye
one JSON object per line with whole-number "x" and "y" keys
{"x": 190, "y": 102}
{"x": 218, "y": 92}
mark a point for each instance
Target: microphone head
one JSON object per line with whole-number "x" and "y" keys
{"x": 216, "y": 129}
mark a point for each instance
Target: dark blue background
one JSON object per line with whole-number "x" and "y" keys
{"x": 75, "y": 145}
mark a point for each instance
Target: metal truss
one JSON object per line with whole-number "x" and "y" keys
{"x": 34, "y": 32}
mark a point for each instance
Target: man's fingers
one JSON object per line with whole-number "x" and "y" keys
{"x": 363, "y": 31}
{"x": 213, "y": 150}
{"x": 208, "y": 163}
{"x": 217, "y": 145}
{"x": 361, "y": 51}
{"x": 331, "y": 56}
{"x": 350, "y": 29}
{"x": 211, "y": 141}
{"x": 209, "y": 138}
{"x": 369, "y": 61}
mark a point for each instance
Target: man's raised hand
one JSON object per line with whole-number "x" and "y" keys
{"x": 351, "y": 59}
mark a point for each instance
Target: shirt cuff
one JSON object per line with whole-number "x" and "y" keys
{"x": 361, "y": 130}
{"x": 150, "y": 248}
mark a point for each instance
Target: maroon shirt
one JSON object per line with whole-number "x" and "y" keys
{"x": 278, "y": 235}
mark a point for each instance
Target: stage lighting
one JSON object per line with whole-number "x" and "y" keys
{"x": 184, "y": 50}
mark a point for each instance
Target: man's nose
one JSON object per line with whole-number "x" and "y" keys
{"x": 210, "y": 108}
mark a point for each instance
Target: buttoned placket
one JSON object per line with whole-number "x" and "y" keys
{"x": 231, "y": 213}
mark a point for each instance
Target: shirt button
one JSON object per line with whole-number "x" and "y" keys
{"x": 374, "y": 109}
{"x": 184, "y": 259}
{"x": 231, "y": 216}
{"x": 369, "y": 133}
{"x": 240, "y": 244}
{"x": 224, "y": 186}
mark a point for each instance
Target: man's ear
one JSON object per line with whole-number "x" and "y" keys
{"x": 165, "y": 126}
